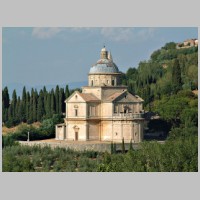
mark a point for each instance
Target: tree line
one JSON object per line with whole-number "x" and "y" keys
{"x": 33, "y": 106}
{"x": 168, "y": 71}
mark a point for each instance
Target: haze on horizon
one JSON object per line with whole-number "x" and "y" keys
{"x": 51, "y": 56}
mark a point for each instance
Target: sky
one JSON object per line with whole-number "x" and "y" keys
{"x": 51, "y": 56}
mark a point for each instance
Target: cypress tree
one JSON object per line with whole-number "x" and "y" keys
{"x": 45, "y": 94}
{"x": 123, "y": 146}
{"x": 111, "y": 147}
{"x": 13, "y": 104}
{"x": 52, "y": 102}
{"x": 28, "y": 107}
{"x": 18, "y": 110}
{"x": 5, "y": 104}
{"x": 131, "y": 145}
{"x": 10, "y": 121}
{"x": 31, "y": 107}
{"x": 67, "y": 93}
{"x": 35, "y": 96}
{"x": 5, "y": 98}
{"x": 176, "y": 76}
{"x": 40, "y": 108}
{"x": 114, "y": 148}
{"x": 48, "y": 105}
{"x": 57, "y": 99}
{"x": 23, "y": 105}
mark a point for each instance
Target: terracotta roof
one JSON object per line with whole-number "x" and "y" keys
{"x": 114, "y": 96}
{"x": 88, "y": 97}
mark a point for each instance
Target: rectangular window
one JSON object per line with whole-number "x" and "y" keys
{"x": 76, "y": 112}
{"x": 92, "y": 110}
{"x": 115, "y": 108}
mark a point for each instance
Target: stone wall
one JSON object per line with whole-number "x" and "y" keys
{"x": 100, "y": 147}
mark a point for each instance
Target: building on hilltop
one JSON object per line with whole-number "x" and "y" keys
{"x": 105, "y": 110}
{"x": 187, "y": 43}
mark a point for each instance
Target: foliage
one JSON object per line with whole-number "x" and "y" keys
{"x": 32, "y": 106}
{"x": 131, "y": 145}
{"x": 45, "y": 131}
{"x": 159, "y": 76}
{"x": 37, "y": 159}
{"x": 176, "y": 77}
{"x": 179, "y": 155}
{"x": 123, "y": 146}
{"x": 178, "y": 109}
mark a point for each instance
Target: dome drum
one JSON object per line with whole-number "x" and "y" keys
{"x": 105, "y": 72}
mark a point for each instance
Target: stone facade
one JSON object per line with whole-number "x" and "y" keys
{"x": 105, "y": 110}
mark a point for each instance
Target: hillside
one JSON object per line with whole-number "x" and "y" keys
{"x": 153, "y": 78}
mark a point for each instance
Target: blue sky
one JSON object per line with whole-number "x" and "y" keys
{"x": 50, "y": 56}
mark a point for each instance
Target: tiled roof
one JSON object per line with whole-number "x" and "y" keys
{"x": 114, "y": 96}
{"x": 130, "y": 98}
{"x": 88, "y": 97}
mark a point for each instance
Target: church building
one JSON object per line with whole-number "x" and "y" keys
{"x": 104, "y": 110}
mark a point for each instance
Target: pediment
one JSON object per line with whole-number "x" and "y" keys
{"x": 128, "y": 97}
{"x": 82, "y": 97}
{"x": 75, "y": 97}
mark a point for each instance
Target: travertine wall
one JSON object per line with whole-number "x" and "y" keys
{"x": 81, "y": 127}
{"x": 103, "y": 92}
{"x": 117, "y": 130}
{"x": 106, "y": 130}
{"x": 60, "y": 132}
{"x": 106, "y": 110}
{"x": 81, "y": 110}
{"x": 104, "y": 79}
{"x": 95, "y": 91}
{"x": 94, "y": 130}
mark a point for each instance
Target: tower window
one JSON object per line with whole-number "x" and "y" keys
{"x": 113, "y": 82}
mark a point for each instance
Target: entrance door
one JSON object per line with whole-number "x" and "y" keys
{"x": 76, "y": 135}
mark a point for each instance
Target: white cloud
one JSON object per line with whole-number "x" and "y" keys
{"x": 117, "y": 34}
{"x": 79, "y": 29}
{"x": 146, "y": 32}
{"x": 127, "y": 34}
{"x": 45, "y": 33}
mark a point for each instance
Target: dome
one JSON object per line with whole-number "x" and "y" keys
{"x": 104, "y": 66}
